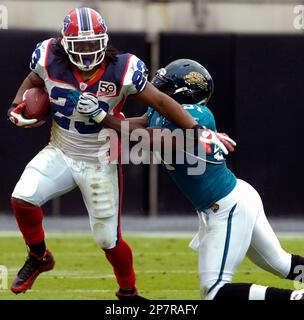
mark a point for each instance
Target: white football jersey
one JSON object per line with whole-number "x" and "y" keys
{"x": 76, "y": 135}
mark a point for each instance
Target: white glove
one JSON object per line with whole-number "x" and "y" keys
{"x": 88, "y": 106}
{"x": 15, "y": 116}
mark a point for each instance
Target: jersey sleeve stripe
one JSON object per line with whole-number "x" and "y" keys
{"x": 117, "y": 109}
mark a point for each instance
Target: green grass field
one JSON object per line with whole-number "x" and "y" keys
{"x": 166, "y": 268}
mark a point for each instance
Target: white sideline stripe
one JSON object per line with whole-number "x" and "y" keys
{"x": 164, "y": 234}
{"x": 100, "y": 254}
{"x": 96, "y": 290}
{"x": 64, "y": 235}
{"x": 148, "y": 234}
{"x": 48, "y": 234}
{"x": 93, "y": 274}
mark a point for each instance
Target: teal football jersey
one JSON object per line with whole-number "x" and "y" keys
{"x": 216, "y": 181}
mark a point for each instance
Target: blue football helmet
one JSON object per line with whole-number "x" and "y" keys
{"x": 186, "y": 81}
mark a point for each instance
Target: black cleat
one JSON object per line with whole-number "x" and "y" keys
{"x": 30, "y": 271}
{"x": 129, "y": 295}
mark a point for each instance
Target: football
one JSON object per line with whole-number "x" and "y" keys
{"x": 37, "y": 104}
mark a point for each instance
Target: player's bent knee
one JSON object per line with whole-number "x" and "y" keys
{"x": 21, "y": 202}
{"x": 103, "y": 196}
{"x": 104, "y": 235}
{"x": 28, "y": 188}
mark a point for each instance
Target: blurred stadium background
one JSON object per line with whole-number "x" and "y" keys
{"x": 255, "y": 55}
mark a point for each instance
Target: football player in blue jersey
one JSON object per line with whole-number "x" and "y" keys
{"x": 232, "y": 222}
{"x": 86, "y": 79}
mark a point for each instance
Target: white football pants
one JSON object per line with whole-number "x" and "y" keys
{"x": 226, "y": 235}
{"x": 51, "y": 174}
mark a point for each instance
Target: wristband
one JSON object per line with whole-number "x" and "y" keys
{"x": 100, "y": 116}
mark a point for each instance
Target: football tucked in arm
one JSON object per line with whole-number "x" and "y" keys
{"x": 37, "y": 105}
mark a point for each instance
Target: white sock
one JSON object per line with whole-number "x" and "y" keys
{"x": 257, "y": 292}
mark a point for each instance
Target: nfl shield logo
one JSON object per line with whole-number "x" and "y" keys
{"x": 82, "y": 86}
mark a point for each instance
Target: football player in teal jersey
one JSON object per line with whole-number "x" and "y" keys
{"x": 232, "y": 222}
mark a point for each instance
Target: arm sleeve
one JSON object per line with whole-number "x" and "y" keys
{"x": 136, "y": 76}
{"x": 39, "y": 59}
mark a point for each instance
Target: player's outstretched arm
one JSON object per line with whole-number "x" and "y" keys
{"x": 88, "y": 105}
{"x": 156, "y": 136}
{"x": 173, "y": 111}
{"x": 117, "y": 123}
{"x": 166, "y": 106}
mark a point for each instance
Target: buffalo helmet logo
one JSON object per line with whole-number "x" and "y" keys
{"x": 66, "y": 23}
{"x": 102, "y": 23}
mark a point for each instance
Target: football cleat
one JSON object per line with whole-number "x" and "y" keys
{"x": 129, "y": 295}
{"x": 31, "y": 269}
{"x": 297, "y": 295}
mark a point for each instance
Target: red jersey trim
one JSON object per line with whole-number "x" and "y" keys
{"x": 91, "y": 81}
